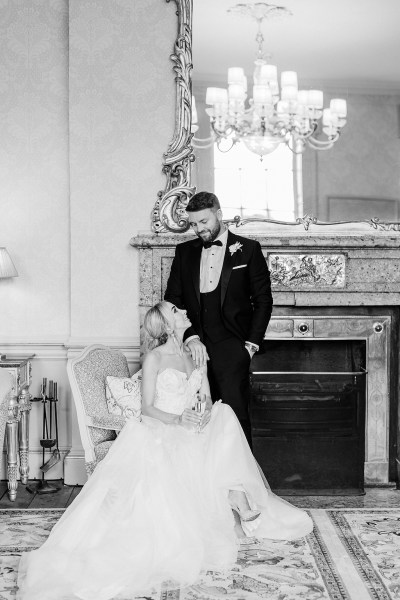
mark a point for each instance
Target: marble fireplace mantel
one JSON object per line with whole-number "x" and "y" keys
{"x": 307, "y": 270}
{"x": 316, "y": 273}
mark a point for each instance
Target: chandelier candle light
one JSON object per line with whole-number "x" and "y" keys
{"x": 271, "y": 118}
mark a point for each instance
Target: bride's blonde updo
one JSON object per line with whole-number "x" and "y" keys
{"x": 156, "y": 326}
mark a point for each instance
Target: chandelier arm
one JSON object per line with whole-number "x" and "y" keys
{"x": 203, "y": 143}
{"x": 322, "y": 144}
{"x": 298, "y": 143}
{"x": 232, "y": 140}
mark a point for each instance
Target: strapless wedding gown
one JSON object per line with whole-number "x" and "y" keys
{"x": 156, "y": 508}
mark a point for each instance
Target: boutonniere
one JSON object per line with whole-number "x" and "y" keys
{"x": 235, "y": 247}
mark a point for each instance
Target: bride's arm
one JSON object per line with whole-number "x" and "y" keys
{"x": 204, "y": 391}
{"x": 205, "y": 394}
{"x": 150, "y": 368}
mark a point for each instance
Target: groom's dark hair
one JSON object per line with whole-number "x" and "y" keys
{"x": 203, "y": 200}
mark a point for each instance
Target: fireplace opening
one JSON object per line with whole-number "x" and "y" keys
{"x": 307, "y": 414}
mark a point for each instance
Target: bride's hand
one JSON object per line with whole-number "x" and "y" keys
{"x": 190, "y": 419}
{"x": 207, "y": 413}
{"x": 206, "y": 419}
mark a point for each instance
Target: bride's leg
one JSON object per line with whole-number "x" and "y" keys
{"x": 246, "y": 519}
{"x": 238, "y": 499}
{"x": 240, "y": 533}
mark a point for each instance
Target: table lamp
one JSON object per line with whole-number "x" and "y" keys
{"x": 7, "y": 268}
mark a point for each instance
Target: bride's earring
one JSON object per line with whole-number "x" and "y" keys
{"x": 176, "y": 342}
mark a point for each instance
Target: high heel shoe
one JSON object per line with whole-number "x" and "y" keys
{"x": 249, "y": 520}
{"x": 245, "y": 515}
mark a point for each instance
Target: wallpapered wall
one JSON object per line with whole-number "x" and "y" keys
{"x": 34, "y": 178}
{"x": 364, "y": 163}
{"x": 121, "y": 120}
{"x": 86, "y": 111}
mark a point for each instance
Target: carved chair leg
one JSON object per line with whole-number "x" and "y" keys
{"x": 12, "y": 457}
{"x": 23, "y": 434}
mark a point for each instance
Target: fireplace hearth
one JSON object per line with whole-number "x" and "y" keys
{"x": 308, "y": 415}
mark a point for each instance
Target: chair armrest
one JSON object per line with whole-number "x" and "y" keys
{"x": 106, "y": 422}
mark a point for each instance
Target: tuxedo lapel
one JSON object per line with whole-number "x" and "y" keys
{"x": 228, "y": 264}
{"x": 195, "y": 267}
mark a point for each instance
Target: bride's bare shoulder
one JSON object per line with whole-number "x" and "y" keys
{"x": 152, "y": 360}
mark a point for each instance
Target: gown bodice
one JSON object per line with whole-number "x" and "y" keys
{"x": 175, "y": 391}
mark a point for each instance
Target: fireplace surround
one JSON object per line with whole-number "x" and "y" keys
{"x": 315, "y": 381}
{"x": 331, "y": 286}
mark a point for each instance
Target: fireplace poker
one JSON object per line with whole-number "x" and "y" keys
{"x": 43, "y": 486}
{"x": 56, "y": 456}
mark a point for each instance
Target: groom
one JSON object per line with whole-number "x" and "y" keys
{"x": 223, "y": 282}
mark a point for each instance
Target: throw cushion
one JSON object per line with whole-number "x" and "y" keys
{"x": 124, "y": 397}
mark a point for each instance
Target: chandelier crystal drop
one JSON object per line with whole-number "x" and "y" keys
{"x": 272, "y": 116}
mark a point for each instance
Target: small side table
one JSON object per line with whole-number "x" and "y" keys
{"x": 17, "y": 426}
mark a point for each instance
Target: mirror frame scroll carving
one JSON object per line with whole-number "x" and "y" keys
{"x": 169, "y": 214}
{"x": 309, "y": 222}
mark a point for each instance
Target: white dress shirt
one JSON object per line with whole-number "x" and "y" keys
{"x": 211, "y": 264}
{"x": 210, "y": 272}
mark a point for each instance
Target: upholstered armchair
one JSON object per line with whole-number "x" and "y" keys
{"x": 87, "y": 374}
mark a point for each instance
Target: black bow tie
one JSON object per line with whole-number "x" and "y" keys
{"x": 207, "y": 245}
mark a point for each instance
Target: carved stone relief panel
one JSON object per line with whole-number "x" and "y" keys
{"x": 307, "y": 271}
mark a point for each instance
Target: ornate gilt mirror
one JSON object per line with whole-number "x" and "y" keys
{"x": 358, "y": 180}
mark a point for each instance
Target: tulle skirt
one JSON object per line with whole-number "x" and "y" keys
{"x": 155, "y": 509}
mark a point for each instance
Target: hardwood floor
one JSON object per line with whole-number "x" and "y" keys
{"x": 25, "y": 499}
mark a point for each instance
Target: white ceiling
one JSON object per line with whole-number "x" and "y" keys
{"x": 346, "y": 43}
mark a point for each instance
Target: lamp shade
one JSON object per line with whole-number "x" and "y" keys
{"x": 7, "y": 268}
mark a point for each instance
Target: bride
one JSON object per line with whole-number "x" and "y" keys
{"x": 172, "y": 497}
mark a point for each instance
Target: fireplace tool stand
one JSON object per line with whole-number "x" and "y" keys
{"x": 47, "y": 442}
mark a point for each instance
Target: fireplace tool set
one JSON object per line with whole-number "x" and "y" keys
{"x": 48, "y": 398}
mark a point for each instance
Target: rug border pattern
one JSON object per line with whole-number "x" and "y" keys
{"x": 332, "y": 580}
{"x": 363, "y": 564}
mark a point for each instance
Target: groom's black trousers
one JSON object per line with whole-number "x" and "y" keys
{"x": 228, "y": 373}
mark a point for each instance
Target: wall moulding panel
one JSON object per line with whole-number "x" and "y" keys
{"x": 35, "y": 462}
{"x": 61, "y": 350}
{"x": 130, "y": 347}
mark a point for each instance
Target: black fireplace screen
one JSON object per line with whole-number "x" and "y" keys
{"x": 308, "y": 415}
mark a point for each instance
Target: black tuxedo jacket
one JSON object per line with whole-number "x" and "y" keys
{"x": 246, "y": 300}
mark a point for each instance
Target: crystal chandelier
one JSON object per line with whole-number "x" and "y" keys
{"x": 271, "y": 117}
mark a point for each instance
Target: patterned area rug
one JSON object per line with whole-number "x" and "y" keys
{"x": 353, "y": 554}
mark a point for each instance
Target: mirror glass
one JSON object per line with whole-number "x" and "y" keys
{"x": 346, "y": 49}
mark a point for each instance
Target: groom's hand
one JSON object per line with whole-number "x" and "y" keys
{"x": 250, "y": 351}
{"x": 198, "y": 352}
{"x": 251, "y": 348}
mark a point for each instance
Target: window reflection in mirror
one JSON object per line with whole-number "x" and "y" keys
{"x": 250, "y": 187}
